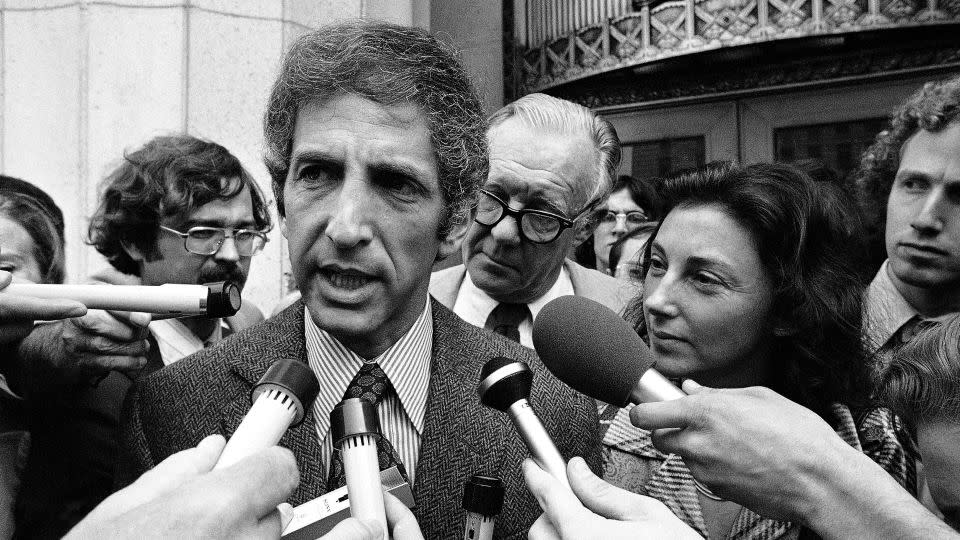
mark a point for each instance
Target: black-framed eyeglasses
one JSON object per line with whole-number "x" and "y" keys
{"x": 207, "y": 240}
{"x": 632, "y": 219}
{"x": 537, "y": 226}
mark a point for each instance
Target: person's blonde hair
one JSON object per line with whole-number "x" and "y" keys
{"x": 923, "y": 380}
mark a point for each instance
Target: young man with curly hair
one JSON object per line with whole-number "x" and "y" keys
{"x": 910, "y": 183}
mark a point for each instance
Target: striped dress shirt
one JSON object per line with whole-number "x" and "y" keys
{"x": 407, "y": 365}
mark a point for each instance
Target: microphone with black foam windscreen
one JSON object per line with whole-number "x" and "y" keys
{"x": 594, "y": 351}
{"x": 482, "y": 501}
{"x": 280, "y": 400}
{"x": 505, "y": 386}
{"x": 220, "y": 299}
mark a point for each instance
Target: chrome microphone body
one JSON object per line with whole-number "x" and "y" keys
{"x": 538, "y": 441}
{"x": 280, "y": 399}
{"x": 355, "y": 427}
{"x": 653, "y": 386}
{"x": 505, "y": 385}
{"x": 221, "y": 299}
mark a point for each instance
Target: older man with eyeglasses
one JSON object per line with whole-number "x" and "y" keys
{"x": 176, "y": 210}
{"x": 552, "y": 163}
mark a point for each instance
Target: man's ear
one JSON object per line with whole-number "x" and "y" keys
{"x": 454, "y": 237}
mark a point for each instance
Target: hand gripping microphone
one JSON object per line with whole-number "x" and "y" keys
{"x": 594, "y": 351}
{"x": 505, "y": 386}
{"x": 280, "y": 399}
{"x": 355, "y": 427}
{"x": 221, "y": 299}
{"x": 482, "y": 500}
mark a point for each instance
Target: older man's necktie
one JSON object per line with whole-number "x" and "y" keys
{"x": 370, "y": 383}
{"x": 505, "y": 320}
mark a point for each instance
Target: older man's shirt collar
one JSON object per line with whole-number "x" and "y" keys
{"x": 474, "y": 305}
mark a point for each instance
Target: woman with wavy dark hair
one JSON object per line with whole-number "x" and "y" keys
{"x": 748, "y": 282}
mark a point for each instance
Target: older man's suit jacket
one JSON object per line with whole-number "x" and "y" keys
{"x": 209, "y": 392}
{"x": 599, "y": 287}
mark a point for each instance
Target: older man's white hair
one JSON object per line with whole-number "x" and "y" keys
{"x": 568, "y": 118}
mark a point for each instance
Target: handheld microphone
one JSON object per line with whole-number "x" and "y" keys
{"x": 505, "y": 386}
{"x": 221, "y": 299}
{"x": 590, "y": 348}
{"x": 280, "y": 400}
{"x": 595, "y": 352}
{"x": 483, "y": 500}
{"x": 355, "y": 427}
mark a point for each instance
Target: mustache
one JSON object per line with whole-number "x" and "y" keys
{"x": 222, "y": 273}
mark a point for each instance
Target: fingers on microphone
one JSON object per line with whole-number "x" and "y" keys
{"x": 557, "y": 502}
{"x": 662, "y": 414}
{"x": 134, "y": 318}
{"x": 355, "y": 529}
{"x": 103, "y": 323}
{"x": 263, "y": 480}
{"x": 598, "y": 496}
{"x": 691, "y": 386}
{"x": 270, "y": 526}
{"x": 401, "y": 520}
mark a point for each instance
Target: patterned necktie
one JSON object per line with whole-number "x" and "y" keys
{"x": 370, "y": 383}
{"x": 505, "y": 320}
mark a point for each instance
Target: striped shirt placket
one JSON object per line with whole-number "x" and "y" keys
{"x": 407, "y": 365}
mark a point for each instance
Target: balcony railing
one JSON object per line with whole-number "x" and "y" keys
{"x": 564, "y": 40}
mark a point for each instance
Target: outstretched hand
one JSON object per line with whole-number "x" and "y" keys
{"x": 596, "y": 509}
{"x": 17, "y": 313}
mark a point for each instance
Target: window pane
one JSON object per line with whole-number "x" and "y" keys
{"x": 656, "y": 159}
{"x": 838, "y": 145}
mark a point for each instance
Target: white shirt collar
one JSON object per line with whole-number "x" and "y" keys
{"x": 406, "y": 363}
{"x": 474, "y": 305}
{"x": 176, "y": 341}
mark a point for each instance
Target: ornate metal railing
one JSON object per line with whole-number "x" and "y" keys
{"x": 564, "y": 40}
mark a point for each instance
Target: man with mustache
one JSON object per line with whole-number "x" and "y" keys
{"x": 910, "y": 181}
{"x": 552, "y": 162}
{"x": 177, "y": 210}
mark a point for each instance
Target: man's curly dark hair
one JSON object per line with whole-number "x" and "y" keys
{"x": 932, "y": 108}
{"x": 169, "y": 177}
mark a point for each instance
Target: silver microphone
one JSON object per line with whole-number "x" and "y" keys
{"x": 505, "y": 386}
{"x": 221, "y": 299}
{"x": 280, "y": 399}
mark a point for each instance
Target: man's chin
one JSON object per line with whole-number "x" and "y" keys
{"x": 926, "y": 276}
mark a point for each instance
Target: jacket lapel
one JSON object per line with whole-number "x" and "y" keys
{"x": 449, "y": 456}
{"x": 278, "y": 338}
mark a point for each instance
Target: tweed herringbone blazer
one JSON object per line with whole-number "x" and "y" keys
{"x": 209, "y": 392}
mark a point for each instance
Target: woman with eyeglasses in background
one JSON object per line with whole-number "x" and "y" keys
{"x": 632, "y": 203}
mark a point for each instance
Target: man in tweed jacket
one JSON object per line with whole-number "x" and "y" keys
{"x": 376, "y": 149}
